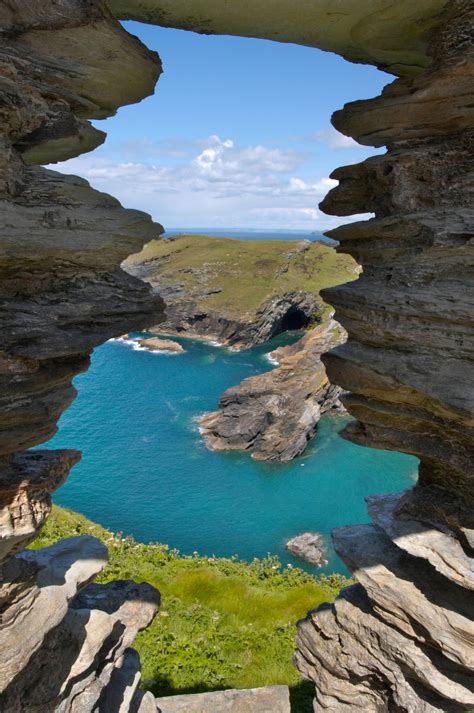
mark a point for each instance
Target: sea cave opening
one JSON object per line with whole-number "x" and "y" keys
{"x": 294, "y": 320}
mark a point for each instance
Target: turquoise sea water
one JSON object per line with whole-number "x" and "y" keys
{"x": 146, "y": 472}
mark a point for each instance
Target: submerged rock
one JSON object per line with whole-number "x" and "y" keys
{"x": 275, "y": 414}
{"x": 161, "y": 345}
{"x": 309, "y": 547}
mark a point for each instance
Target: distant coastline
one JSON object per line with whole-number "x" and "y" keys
{"x": 251, "y": 234}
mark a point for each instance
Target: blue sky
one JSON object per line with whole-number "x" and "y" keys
{"x": 237, "y": 134}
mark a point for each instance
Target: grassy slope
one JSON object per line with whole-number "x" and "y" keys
{"x": 246, "y": 271}
{"x": 223, "y": 623}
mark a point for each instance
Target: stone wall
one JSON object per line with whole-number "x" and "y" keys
{"x": 402, "y": 638}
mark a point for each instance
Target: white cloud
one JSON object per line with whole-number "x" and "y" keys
{"x": 337, "y": 141}
{"x": 217, "y": 184}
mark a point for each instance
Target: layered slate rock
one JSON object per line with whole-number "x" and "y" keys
{"x": 26, "y": 484}
{"x": 62, "y": 293}
{"x": 275, "y": 414}
{"x": 85, "y": 663}
{"x": 403, "y": 639}
{"x": 35, "y": 591}
{"x": 355, "y": 659}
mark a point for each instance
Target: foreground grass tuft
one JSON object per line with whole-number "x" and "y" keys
{"x": 223, "y": 623}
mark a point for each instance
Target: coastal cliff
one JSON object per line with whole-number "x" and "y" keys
{"x": 400, "y": 639}
{"x": 275, "y": 414}
{"x": 239, "y": 293}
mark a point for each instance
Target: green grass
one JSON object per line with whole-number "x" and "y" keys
{"x": 247, "y": 273}
{"x": 223, "y": 623}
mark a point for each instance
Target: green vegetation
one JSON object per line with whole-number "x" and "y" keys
{"x": 244, "y": 273}
{"x": 223, "y": 623}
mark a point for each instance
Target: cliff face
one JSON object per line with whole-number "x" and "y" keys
{"x": 401, "y": 639}
{"x": 62, "y": 293}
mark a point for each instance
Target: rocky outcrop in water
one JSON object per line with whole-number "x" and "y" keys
{"x": 275, "y": 414}
{"x": 309, "y": 547}
{"x": 161, "y": 345}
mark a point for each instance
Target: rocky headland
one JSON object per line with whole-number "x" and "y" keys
{"x": 275, "y": 414}
{"x": 239, "y": 293}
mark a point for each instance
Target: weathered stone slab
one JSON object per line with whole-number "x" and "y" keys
{"x": 26, "y": 484}
{"x": 272, "y": 699}
{"x": 408, "y": 593}
{"x": 442, "y": 550}
{"x": 36, "y": 588}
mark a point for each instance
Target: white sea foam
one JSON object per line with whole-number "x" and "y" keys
{"x": 173, "y": 409}
{"x": 139, "y": 348}
{"x": 272, "y": 359}
{"x": 215, "y": 343}
{"x": 195, "y": 421}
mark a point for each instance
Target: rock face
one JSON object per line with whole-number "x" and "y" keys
{"x": 62, "y": 293}
{"x": 403, "y": 638}
{"x": 239, "y": 293}
{"x": 391, "y": 35}
{"x": 161, "y": 345}
{"x": 186, "y": 317}
{"x": 275, "y": 414}
{"x": 399, "y": 640}
{"x": 309, "y": 547}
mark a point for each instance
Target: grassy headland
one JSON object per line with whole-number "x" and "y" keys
{"x": 243, "y": 274}
{"x": 223, "y": 623}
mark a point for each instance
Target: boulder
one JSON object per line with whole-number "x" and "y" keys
{"x": 309, "y": 547}
{"x": 161, "y": 345}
